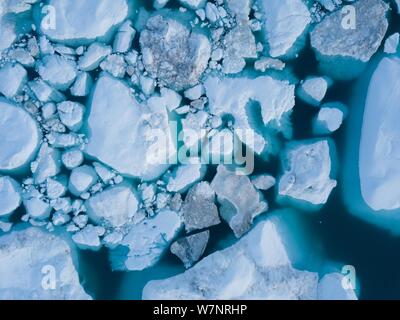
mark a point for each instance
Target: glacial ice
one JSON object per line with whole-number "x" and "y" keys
{"x": 81, "y": 179}
{"x": 29, "y": 257}
{"x": 392, "y": 43}
{"x": 129, "y": 147}
{"x": 20, "y": 136}
{"x": 285, "y": 22}
{"x": 80, "y": 23}
{"x": 191, "y": 248}
{"x": 240, "y": 201}
{"x": 10, "y": 198}
{"x": 256, "y": 267}
{"x": 146, "y": 242}
{"x": 379, "y": 146}
{"x": 313, "y": 90}
{"x": 354, "y": 43}
{"x": 173, "y": 53}
{"x": 13, "y": 77}
{"x": 89, "y": 237}
{"x": 330, "y": 288}
{"x": 307, "y": 172}
{"x": 124, "y": 37}
{"x": 185, "y": 176}
{"x": 230, "y": 96}
{"x": 58, "y": 71}
{"x": 71, "y": 114}
{"x": 328, "y": 120}
{"x": 113, "y": 207}
{"x": 93, "y": 56}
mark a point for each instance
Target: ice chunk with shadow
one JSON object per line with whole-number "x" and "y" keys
{"x": 93, "y": 56}
{"x": 89, "y": 237}
{"x": 329, "y": 118}
{"x": 81, "y": 179}
{"x": 185, "y": 176}
{"x": 240, "y": 201}
{"x": 10, "y": 196}
{"x": 313, "y": 90}
{"x": 58, "y": 71}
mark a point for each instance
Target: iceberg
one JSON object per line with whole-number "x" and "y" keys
{"x": 20, "y": 136}
{"x": 380, "y": 144}
{"x": 392, "y": 43}
{"x": 231, "y": 96}
{"x": 30, "y": 259}
{"x": 130, "y": 147}
{"x": 81, "y": 22}
{"x": 285, "y": 21}
{"x": 328, "y": 120}
{"x": 240, "y": 201}
{"x": 173, "y": 53}
{"x": 10, "y": 197}
{"x": 81, "y": 179}
{"x": 313, "y": 90}
{"x": 258, "y": 266}
{"x": 146, "y": 242}
{"x": 307, "y": 172}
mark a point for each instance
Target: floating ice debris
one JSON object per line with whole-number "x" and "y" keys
{"x": 10, "y": 198}
{"x": 47, "y": 164}
{"x": 185, "y": 176}
{"x": 307, "y": 172}
{"x": 13, "y": 77}
{"x": 195, "y": 92}
{"x": 266, "y": 63}
{"x": 285, "y": 22}
{"x": 240, "y": 201}
{"x": 130, "y": 147}
{"x": 313, "y": 90}
{"x": 35, "y": 204}
{"x": 89, "y": 237}
{"x": 28, "y": 256}
{"x": 256, "y": 267}
{"x": 83, "y": 85}
{"x": 71, "y": 114}
{"x": 93, "y": 56}
{"x": 44, "y": 92}
{"x": 330, "y": 5}
{"x": 190, "y": 248}
{"x": 146, "y": 242}
{"x": 392, "y": 43}
{"x": 84, "y": 21}
{"x": 103, "y": 172}
{"x": 113, "y": 207}
{"x": 5, "y": 226}
{"x": 58, "y": 71}
{"x": 115, "y": 65}
{"x": 19, "y": 134}
{"x": 330, "y": 288}
{"x": 379, "y": 146}
{"x": 81, "y": 179}
{"x": 263, "y": 181}
{"x": 230, "y": 96}
{"x": 352, "y": 42}
{"x": 124, "y": 37}
{"x": 56, "y": 187}
{"x": 179, "y": 59}
{"x": 328, "y": 120}
{"x": 72, "y": 158}
{"x": 199, "y": 210}
{"x": 193, "y": 4}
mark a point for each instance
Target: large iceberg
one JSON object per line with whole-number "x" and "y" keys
{"x": 38, "y": 265}
{"x": 131, "y": 147}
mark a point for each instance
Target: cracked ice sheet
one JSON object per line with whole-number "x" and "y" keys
{"x": 129, "y": 147}
{"x": 230, "y": 96}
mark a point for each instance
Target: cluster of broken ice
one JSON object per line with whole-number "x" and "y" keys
{"x": 87, "y": 144}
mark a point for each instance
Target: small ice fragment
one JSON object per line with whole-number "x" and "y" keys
{"x": 93, "y": 56}
{"x": 58, "y": 71}
{"x": 13, "y": 77}
{"x": 263, "y": 181}
{"x": 10, "y": 198}
{"x": 81, "y": 179}
{"x": 72, "y": 158}
{"x": 71, "y": 114}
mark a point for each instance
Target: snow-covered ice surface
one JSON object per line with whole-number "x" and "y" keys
{"x": 169, "y": 140}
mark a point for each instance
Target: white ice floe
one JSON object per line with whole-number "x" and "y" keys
{"x": 313, "y": 90}
{"x": 89, "y": 237}
{"x": 141, "y": 144}
{"x": 38, "y": 265}
{"x": 72, "y": 158}
{"x": 185, "y": 176}
{"x": 329, "y": 119}
{"x": 93, "y": 56}
{"x": 81, "y": 179}
{"x": 307, "y": 172}
{"x": 173, "y": 53}
{"x": 240, "y": 201}
{"x": 359, "y": 41}
{"x": 47, "y": 163}
{"x": 256, "y": 267}
{"x": 58, "y": 71}
{"x": 35, "y": 205}
{"x": 71, "y": 114}
{"x": 83, "y": 85}
{"x": 10, "y": 197}
{"x": 124, "y": 37}
{"x": 147, "y": 241}
{"x": 330, "y": 287}
{"x": 20, "y": 136}
{"x": 13, "y": 78}
{"x": 44, "y": 92}
{"x": 230, "y": 96}
{"x": 81, "y": 22}
{"x": 392, "y": 43}
{"x": 263, "y": 181}
{"x": 285, "y": 21}
{"x": 380, "y": 144}
{"x": 113, "y": 207}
